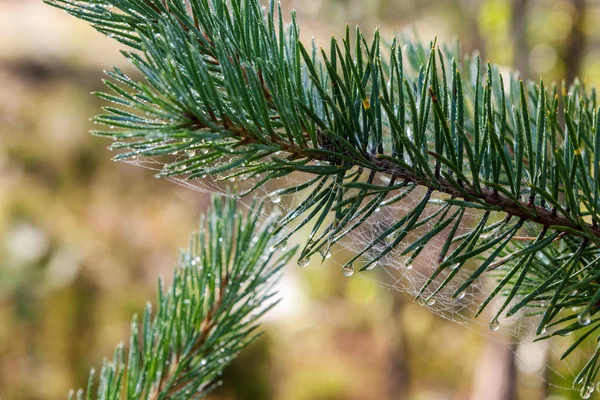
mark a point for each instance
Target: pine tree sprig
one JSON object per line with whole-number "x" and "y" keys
{"x": 222, "y": 286}
{"x": 373, "y": 125}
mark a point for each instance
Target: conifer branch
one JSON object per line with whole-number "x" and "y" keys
{"x": 222, "y": 286}
{"x": 230, "y": 86}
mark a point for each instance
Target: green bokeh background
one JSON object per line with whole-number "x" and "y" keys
{"x": 83, "y": 239}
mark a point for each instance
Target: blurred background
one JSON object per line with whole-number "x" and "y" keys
{"x": 83, "y": 239}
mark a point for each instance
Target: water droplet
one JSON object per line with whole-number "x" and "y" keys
{"x": 275, "y": 198}
{"x": 586, "y": 391}
{"x": 543, "y": 331}
{"x": 325, "y": 255}
{"x": 408, "y": 266}
{"x": 371, "y": 266}
{"x": 191, "y": 153}
{"x": 584, "y": 319}
{"x": 461, "y": 295}
{"x": 279, "y": 246}
{"x": 574, "y": 292}
{"x": 494, "y": 325}
{"x": 454, "y": 266}
{"x": 430, "y": 301}
{"x": 303, "y": 262}
{"x": 348, "y": 270}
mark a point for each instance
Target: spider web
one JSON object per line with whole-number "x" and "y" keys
{"x": 399, "y": 273}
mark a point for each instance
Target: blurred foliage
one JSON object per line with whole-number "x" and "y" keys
{"x": 83, "y": 239}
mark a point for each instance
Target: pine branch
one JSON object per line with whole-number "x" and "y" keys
{"x": 241, "y": 135}
{"x": 373, "y": 125}
{"x": 222, "y": 286}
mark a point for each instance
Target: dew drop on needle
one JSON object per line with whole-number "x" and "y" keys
{"x": 494, "y": 325}
{"x": 584, "y": 319}
{"x": 303, "y": 262}
{"x": 279, "y": 246}
{"x": 348, "y": 270}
